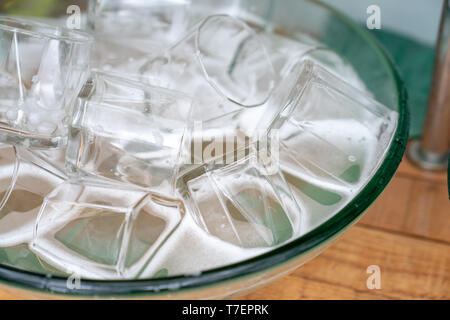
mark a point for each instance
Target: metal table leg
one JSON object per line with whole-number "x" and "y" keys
{"x": 431, "y": 152}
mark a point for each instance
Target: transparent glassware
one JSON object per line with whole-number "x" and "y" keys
{"x": 24, "y": 182}
{"x": 119, "y": 58}
{"x": 292, "y": 18}
{"x": 327, "y": 59}
{"x": 283, "y": 51}
{"x": 338, "y": 66}
{"x": 42, "y": 68}
{"x": 243, "y": 201}
{"x": 140, "y": 22}
{"x": 55, "y": 158}
{"x": 221, "y": 58}
{"x": 326, "y": 125}
{"x": 100, "y": 232}
{"x": 128, "y": 133}
{"x": 127, "y": 32}
{"x": 244, "y": 125}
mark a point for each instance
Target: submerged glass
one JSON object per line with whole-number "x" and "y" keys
{"x": 243, "y": 201}
{"x": 24, "y": 182}
{"x": 42, "y": 69}
{"x": 293, "y": 18}
{"x": 98, "y": 232}
{"x": 222, "y": 58}
{"x": 128, "y": 32}
{"x": 139, "y": 22}
{"x": 327, "y": 126}
{"x": 128, "y": 133}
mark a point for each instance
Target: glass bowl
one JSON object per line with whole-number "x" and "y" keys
{"x": 375, "y": 68}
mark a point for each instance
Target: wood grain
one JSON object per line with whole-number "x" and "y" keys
{"x": 417, "y": 207}
{"x": 408, "y": 169}
{"x": 410, "y": 269}
{"x": 6, "y": 296}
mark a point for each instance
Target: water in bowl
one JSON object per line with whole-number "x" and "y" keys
{"x": 332, "y": 138}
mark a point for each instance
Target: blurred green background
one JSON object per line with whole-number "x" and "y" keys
{"x": 39, "y": 8}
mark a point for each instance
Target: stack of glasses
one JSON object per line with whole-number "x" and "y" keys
{"x": 108, "y": 142}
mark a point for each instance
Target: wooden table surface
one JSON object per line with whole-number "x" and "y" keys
{"x": 406, "y": 233}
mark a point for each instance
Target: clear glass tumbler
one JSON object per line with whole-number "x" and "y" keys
{"x": 125, "y": 132}
{"x": 330, "y": 131}
{"x": 25, "y": 180}
{"x": 243, "y": 200}
{"x": 139, "y": 22}
{"x": 99, "y": 232}
{"x": 42, "y": 69}
{"x": 223, "y": 58}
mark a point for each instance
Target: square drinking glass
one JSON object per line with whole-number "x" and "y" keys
{"x": 222, "y": 59}
{"x": 241, "y": 202}
{"x": 101, "y": 232}
{"x": 24, "y": 182}
{"x": 326, "y": 127}
{"x": 42, "y": 69}
{"x": 140, "y": 22}
{"x": 125, "y": 132}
